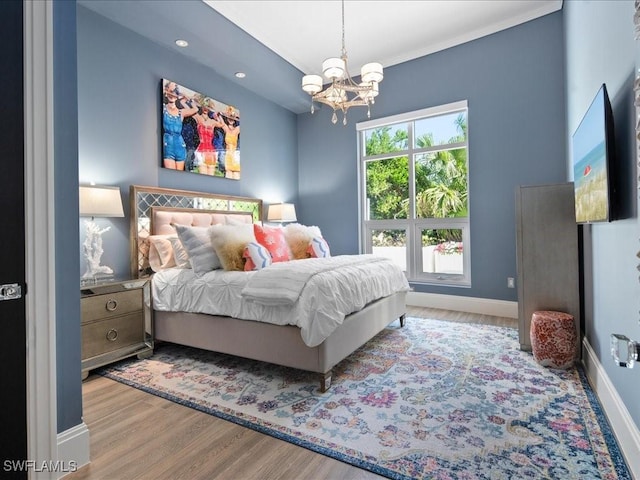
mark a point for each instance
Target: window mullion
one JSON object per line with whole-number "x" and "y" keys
{"x": 412, "y": 175}
{"x": 411, "y": 243}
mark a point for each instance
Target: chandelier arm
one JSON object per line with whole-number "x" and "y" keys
{"x": 344, "y": 105}
{"x": 333, "y": 105}
{"x": 355, "y": 103}
{"x": 354, "y": 87}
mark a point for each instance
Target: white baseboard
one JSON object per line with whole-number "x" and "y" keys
{"x": 73, "y": 448}
{"x": 484, "y": 306}
{"x": 623, "y": 426}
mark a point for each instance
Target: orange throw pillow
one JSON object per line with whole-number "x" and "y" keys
{"x": 272, "y": 238}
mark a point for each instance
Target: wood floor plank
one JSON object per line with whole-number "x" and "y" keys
{"x": 138, "y": 436}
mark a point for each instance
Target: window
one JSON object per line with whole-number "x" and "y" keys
{"x": 414, "y": 188}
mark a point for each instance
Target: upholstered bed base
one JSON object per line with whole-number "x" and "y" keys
{"x": 279, "y": 344}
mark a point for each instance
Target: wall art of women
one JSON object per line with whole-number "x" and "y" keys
{"x": 175, "y": 108}
{"x": 200, "y": 134}
{"x": 231, "y": 128}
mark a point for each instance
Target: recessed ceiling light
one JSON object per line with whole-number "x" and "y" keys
{"x": 182, "y": 43}
{"x": 240, "y": 74}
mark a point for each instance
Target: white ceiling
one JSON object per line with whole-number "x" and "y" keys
{"x": 222, "y": 34}
{"x": 306, "y": 32}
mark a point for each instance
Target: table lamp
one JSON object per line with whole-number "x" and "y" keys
{"x": 97, "y": 201}
{"x": 281, "y": 212}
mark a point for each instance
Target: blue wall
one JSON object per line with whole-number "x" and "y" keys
{"x": 514, "y": 83}
{"x": 611, "y": 290}
{"x": 119, "y": 75}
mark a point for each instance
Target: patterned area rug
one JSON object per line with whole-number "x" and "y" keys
{"x": 434, "y": 399}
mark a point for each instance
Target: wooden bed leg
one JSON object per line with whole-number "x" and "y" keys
{"x": 325, "y": 381}
{"x": 402, "y": 318}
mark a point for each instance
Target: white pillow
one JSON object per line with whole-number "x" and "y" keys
{"x": 180, "y": 257}
{"x": 161, "y": 252}
{"x": 231, "y": 219}
{"x": 298, "y": 237}
{"x": 229, "y": 242}
{"x": 197, "y": 242}
{"x": 257, "y": 257}
{"x": 318, "y": 248}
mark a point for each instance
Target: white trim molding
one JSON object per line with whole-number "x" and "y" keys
{"x": 39, "y": 229}
{"x": 414, "y": 115}
{"x": 622, "y": 424}
{"x": 484, "y": 306}
{"x": 73, "y": 449}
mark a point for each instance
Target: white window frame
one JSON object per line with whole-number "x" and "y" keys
{"x": 414, "y": 226}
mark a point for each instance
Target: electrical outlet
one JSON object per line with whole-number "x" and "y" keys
{"x": 511, "y": 282}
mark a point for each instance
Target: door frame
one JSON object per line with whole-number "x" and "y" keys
{"x": 40, "y": 239}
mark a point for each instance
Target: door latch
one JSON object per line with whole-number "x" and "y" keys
{"x": 10, "y": 291}
{"x": 625, "y": 352}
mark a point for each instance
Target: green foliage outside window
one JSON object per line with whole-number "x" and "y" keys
{"x": 440, "y": 178}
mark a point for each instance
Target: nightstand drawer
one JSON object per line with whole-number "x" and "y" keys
{"x": 111, "y": 334}
{"x": 111, "y": 305}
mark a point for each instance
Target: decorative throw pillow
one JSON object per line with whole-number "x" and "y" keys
{"x": 318, "y": 248}
{"x": 232, "y": 219}
{"x": 197, "y": 243}
{"x": 298, "y": 238}
{"x": 257, "y": 257}
{"x": 229, "y": 242}
{"x": 180, "y": 257}
{"x": 272, "y": 238}
{"x": 161, "y": 252}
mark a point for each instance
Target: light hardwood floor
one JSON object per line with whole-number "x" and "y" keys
{"x": 136, "y": 435}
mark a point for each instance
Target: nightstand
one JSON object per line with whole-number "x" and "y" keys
{"x": 116, "y": 322}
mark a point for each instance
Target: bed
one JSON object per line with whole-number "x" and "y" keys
{"x": 155, "y": 211}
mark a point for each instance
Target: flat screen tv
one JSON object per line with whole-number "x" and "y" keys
{"x": 593, "y": 161}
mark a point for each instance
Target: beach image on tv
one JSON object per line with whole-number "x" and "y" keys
{"x": 590, "y": 165}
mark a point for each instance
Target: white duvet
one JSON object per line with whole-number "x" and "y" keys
{"x": 331, "y": 289}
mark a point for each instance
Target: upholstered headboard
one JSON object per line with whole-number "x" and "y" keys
{"x": 154, "y": 209}
{"x": 163, "y": 219}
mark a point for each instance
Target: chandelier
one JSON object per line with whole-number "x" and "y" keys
{"x": 343, "y": 93}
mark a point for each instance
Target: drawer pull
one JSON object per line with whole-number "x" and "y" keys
{"x": 112, "y": 305}
{"x": 112, "y": 335}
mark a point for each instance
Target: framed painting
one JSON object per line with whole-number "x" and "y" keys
{"x": 199, "y": 134}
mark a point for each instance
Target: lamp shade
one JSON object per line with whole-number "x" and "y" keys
{"x": 312, "y": 83}
{"x": 100, "y": 201}
{"x": 371, "y": 72}
{"x": 333, "y": 68}
{"x": 281, "y": 212}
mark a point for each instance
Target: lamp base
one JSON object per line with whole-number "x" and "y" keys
{"x": 87, "y": 280}
{"x": 92, "y": 249}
